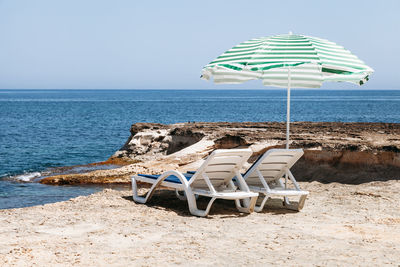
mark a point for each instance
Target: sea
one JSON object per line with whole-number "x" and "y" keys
{"x": 41, "y": 130}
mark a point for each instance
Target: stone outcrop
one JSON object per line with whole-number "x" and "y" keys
{"x": 334, "y": 151}
{"x": 150, "y": 140}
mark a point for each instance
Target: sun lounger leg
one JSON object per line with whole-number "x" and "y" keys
{"x": 193, "y": 206}
{"x": 178, "y": 195}
{"x": 261, "y": 206}
{"x": 136, "y": 198}
{"x": 151, "y": 191}
{"x": 286, "y": 201}
{"x": 302, "y": 200}
{"x": 299, "y": 206}
{"x": 248, "y": 204}
{"x": 183, "y": 196}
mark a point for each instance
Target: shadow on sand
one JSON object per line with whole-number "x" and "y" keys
{"x": 165, "y": 199}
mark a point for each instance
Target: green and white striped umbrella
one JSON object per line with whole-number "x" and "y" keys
{"x": 287, "y": 60}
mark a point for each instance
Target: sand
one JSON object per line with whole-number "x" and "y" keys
{"x": 346, "y": 225}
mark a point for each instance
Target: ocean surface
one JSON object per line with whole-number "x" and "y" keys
{"x": 42, "y": 129}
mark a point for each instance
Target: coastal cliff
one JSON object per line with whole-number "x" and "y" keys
{"x": 334, "y": 152}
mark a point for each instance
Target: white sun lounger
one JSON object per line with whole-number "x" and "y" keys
{"x": 213, "y": 179}
{"x": 266, "y": 174}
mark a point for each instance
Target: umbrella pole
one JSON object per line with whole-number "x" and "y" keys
{"x": 285, "y": 199}
{"x": 288, "y": 111}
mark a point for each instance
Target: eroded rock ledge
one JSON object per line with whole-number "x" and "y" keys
{"x": 334, "y": 152}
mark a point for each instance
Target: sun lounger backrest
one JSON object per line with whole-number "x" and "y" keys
{"x": 272, "y": 165}
{"x": 220, "y": 167}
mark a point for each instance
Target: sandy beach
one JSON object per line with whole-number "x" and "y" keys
{"x": 340, "y": 224}
{"x": 210, "y": 102}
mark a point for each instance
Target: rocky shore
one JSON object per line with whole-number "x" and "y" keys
{"x": 350, "y": 153}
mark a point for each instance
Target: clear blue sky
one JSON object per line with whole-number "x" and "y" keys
{"x": 164, "y": 44}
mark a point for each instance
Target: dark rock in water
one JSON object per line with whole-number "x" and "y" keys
{"x": 334, "y": 151}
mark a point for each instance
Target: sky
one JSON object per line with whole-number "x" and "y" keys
{"x": 124, "y": 44}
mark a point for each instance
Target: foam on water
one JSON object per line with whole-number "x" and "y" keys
{"x": 27, "y": 177}
{"x": 37, "y": 176}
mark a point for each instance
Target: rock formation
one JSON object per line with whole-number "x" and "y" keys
{"x": 334, "y": 151}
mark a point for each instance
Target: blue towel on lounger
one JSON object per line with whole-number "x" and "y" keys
{"x": 193, "y": 172}
{"x": 171, "y": 178}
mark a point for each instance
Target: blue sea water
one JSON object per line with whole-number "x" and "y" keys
{"x": 41, "y": 129}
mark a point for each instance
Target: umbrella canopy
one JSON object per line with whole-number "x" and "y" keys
{"x": 287, "y": 60}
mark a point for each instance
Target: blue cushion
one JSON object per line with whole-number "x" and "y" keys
{"x": 193, "y": 172}
{"x": 171, "y": 178}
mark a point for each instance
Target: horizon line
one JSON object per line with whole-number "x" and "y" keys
{"x": 199, "y": 89}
